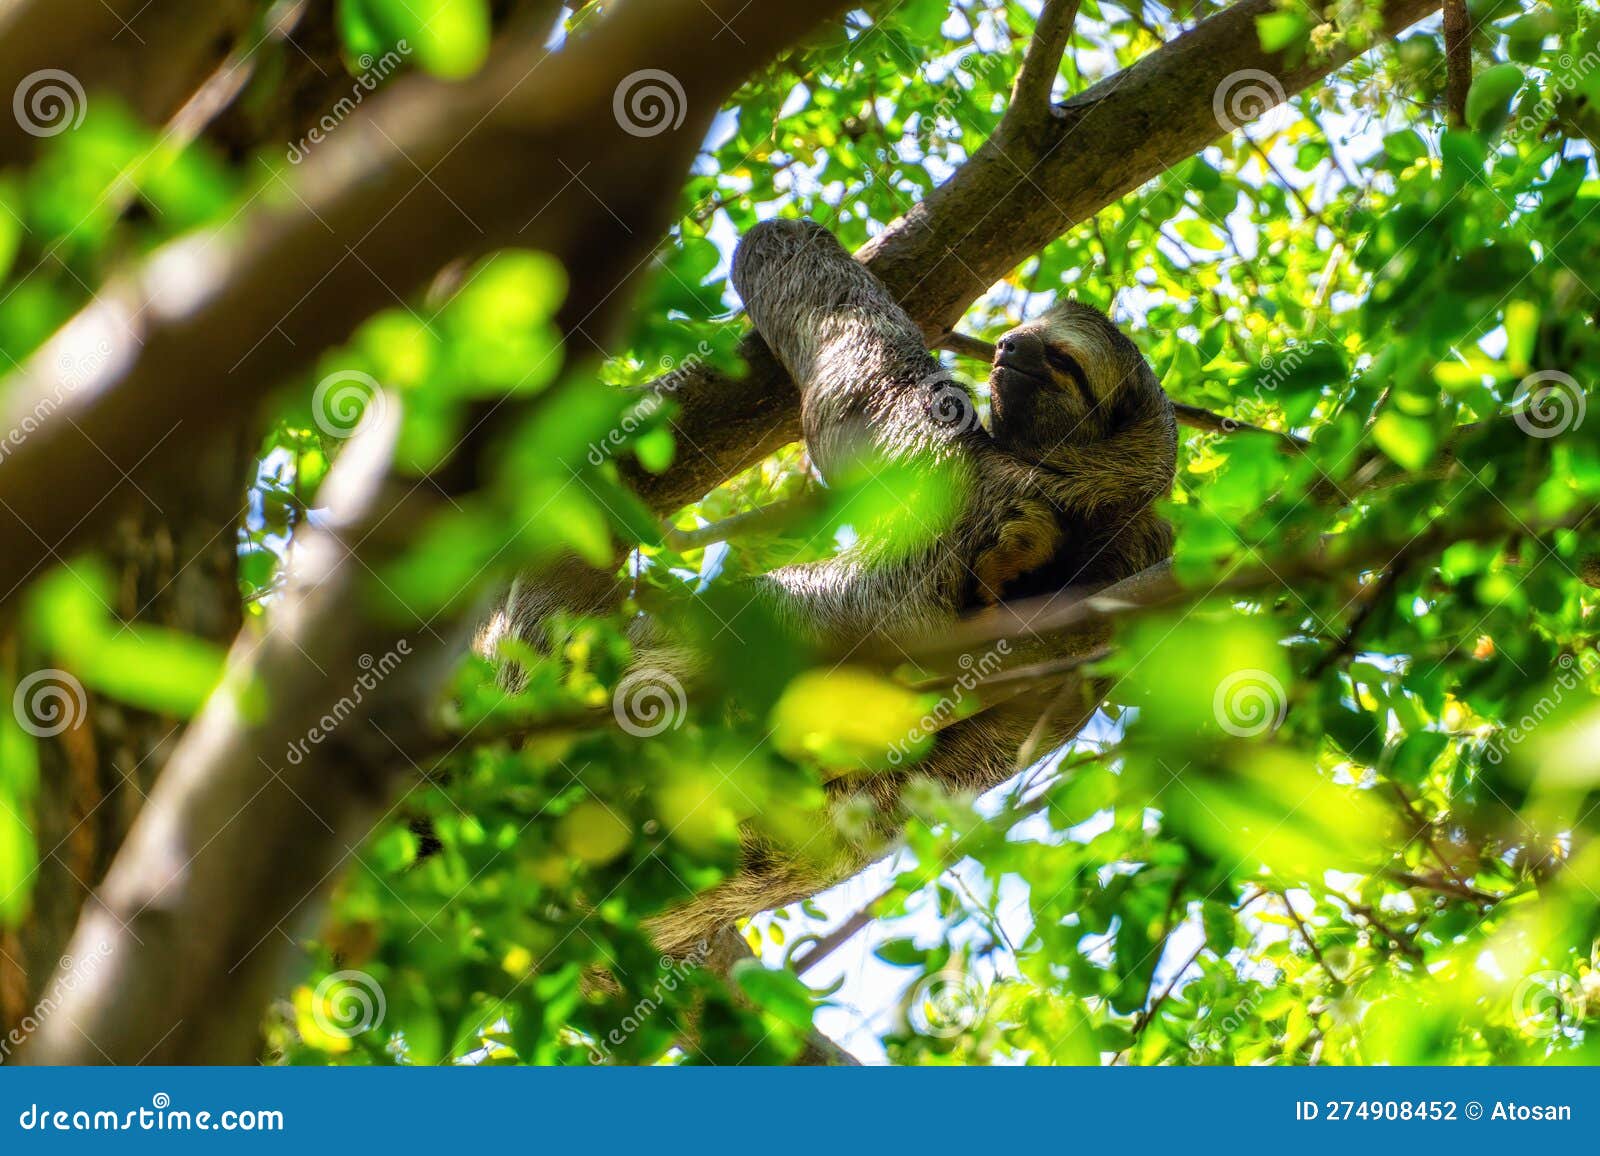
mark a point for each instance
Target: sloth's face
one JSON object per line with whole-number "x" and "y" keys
{"x": 1062, "y": 379}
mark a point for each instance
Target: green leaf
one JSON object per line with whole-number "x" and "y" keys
{"x": 655, "y": 450}
{"x": 1279, "y": 30}
{"x": 779, "y": 993}
{"x": 1409, "y": 441}
{"x": 900, "y": 953}
{"x": 450, "y": 38}
{"x": 1405, "y": 146}
{"x": 1489, "y": 98}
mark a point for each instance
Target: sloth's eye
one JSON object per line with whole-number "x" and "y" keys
{"x": 1063, "y": 362}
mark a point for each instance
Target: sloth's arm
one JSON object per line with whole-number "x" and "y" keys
{"x": 866, "y": 379}
{"x": 1121, "y": 474}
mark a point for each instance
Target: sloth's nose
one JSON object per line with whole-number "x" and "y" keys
{"x": 1024, "y": 351}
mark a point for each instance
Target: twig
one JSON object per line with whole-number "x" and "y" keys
{"x": 842, "y": 934}
{"x": 1444, "y": 886}
{"x": 1149, "y": 1013}
{"x": 1372, "y": 597}
{"x": 964, "y": 345}
{"x": 866, "y": 913}
{"x": 1405, "y": 943}
{"x": 1195, "y": 417}
{"x": 1311, "y": 943}
{"x": 1293, "y": 190}
{"x": 1458, "y": 58}
{"x": 774, "y": 516}
{"x": 1030, "y": 92}
{"x": 1424, "y": 828}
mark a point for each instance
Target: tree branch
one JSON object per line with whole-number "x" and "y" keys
{"x": 1458, "y": 60}
{"x": 240, "y": 840}
{"x": 431, "y": 172}
{"x": 1030, "y": 92}
{"x": 151, "y": 57}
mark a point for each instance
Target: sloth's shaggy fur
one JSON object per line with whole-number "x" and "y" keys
{"x": 1060, "y": 491}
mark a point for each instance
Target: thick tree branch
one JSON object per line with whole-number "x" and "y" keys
{"x": 240, "y": 840}
{"x": 528, "y": 153}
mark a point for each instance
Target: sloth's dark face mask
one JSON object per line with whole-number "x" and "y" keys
{"x": 1066, "y": 378}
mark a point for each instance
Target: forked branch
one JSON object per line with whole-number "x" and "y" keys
{"x": 1030, "y": 92}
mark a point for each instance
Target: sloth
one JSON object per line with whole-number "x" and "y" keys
{"x": 1059, "y": 491}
